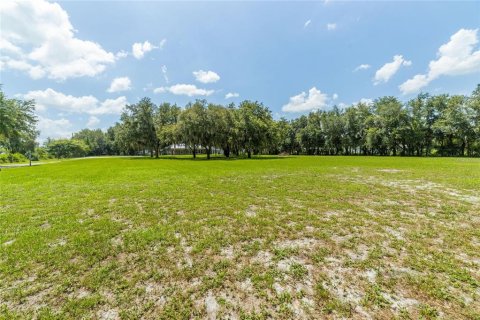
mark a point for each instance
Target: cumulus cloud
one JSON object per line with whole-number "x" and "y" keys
{"x": 331, "y": 26}
{"x": 366, "y": 101}
{"x": 120, "y": 84}
{"x": 414, "y": 84}
{"x": 362, "y": 67}
{"x": 92, "y": 122}
{"x": 206, "y": 76}
{"x": 59, "y": 128}
{"x": 335, "y": 96}
{"x": 389, "y": 69}
{"x": 51, "y": 99}
{"x": 139, "y": 49}
{"x": 456, "y": 57}
{"x": 184, "y": 89}
{"x": 307, "y": 23}
{"x": 109, "y": 106}
{"x": 303, "y": 102}
{"x": 232, "y": 95}
{"x": 38, "y": 38}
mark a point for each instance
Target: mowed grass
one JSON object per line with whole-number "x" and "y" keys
{"x": 272, "y": 237}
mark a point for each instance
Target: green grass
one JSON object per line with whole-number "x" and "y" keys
{"x": 281, "y": 237}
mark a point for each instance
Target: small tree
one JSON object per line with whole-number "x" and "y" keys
{"x": 255, "y": 122}
{"x": 67, "y": 148}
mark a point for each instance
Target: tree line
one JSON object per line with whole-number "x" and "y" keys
{"x": 17, "y": 128}
{"x": 427, "y": 125}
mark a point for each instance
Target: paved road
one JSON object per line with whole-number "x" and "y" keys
{"x": 37, "y": 163}
{"x": 19, "y": 165}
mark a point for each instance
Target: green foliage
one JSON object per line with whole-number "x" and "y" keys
{"x": 41, "y": 153}
{"x": 298, "y": 271}
{"x": 17, "y": 124}
{"x": 254, "y": 126}
{"x": 138, "y": 128}
{"x": 374, "y": 297}
{"x": 67, "y": 148}
{"x": 428, "y": 312}
{"x": 165, "y": 121}
{"x": 12, "y": 158}
{"x": 427, "y": 125}
{"x": 96, "y": 141}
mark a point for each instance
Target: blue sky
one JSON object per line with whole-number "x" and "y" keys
{"x": 82, "y": 61}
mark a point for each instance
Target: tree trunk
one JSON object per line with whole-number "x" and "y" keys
{"x": 209, "y": 150}
{"x": 194, "y": 152}
{"x": 249, "y": 153}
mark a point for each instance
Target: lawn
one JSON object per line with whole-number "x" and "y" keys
{"x": 272, "y": 237}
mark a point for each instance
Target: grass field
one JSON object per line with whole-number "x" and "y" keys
{"x": 287, "y": 237}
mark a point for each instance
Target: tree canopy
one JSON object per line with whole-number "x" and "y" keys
{"x": 17, "y": 124}
{"x": 427, "y": 125}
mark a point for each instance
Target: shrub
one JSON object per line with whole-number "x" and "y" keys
{"x": 12, "y": 157}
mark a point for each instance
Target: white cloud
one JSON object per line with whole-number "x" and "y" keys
{"x": 110, "y": 106}
{"x": 456, "y": 57}
{"x": 389, "y": 69}
{"x": 92, "y": 122}
{"x": 232, "y": 95}
{"x": 38, "y": 38}
{"x": 366, "y": 101}
{"x": 184, "y": 89}
{"x": 362, "y": 67}
{"x": 120, "y": 84}
{"x": 331, "y": 26}
{"x": 307, "y": 23}
{"x": 8, "y": 46}
{"x": 139, "y": 49}
{"x": 35, "y": 72}
{"x": 414, "y": 84}
{"x": 60, "y": 128}
{"x": 121, "y": 54}
{"x": 302, "y": 102}
{"x": 165, "y": 75}
{"x": 206, "y": 76}
{"x": 335, "y": 96}
{"x": 51, "y": 99}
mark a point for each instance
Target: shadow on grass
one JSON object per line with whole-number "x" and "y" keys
{"x": 212, "y": 158}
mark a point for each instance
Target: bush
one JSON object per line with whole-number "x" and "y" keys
{"x": 67, "y": 148}
{"x": 18, "y": 157}
{"x": 41, "y": 154}
{"x": 12, "y": 157}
